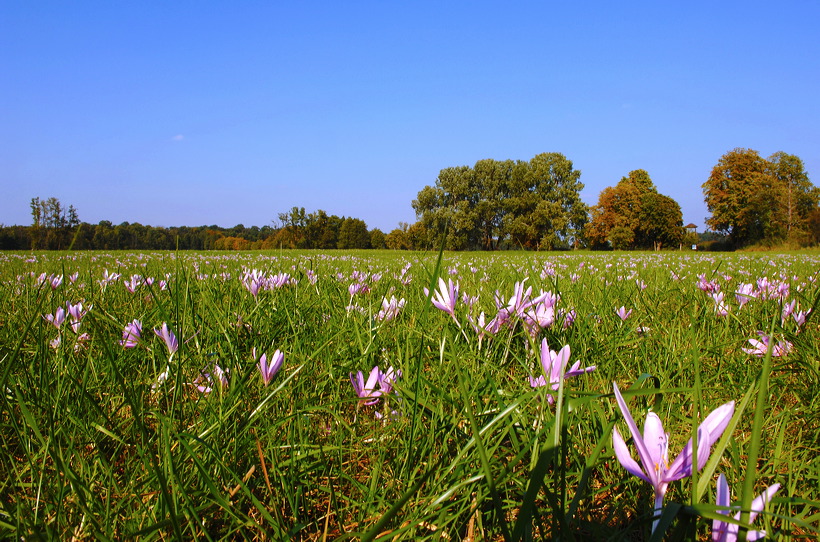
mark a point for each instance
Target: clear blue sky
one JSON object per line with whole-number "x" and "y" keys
{"x": 195, "y": 113}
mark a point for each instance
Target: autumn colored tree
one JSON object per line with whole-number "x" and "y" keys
{"x": 754, "y": 200}
{"x": 632, "y": 214}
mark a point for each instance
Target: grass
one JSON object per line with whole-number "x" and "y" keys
{"x": 93, "y": 446}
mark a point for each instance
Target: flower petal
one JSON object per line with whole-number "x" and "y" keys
{"x": 559, "y": 362}
{"x": 760, "y": 502}
{"x": 643, "y": 452}
{"x": 656, "y": 440}
{"x": 709, "y": 432}
{"x": 721, "y": 528}
{"x": 625, "y": 458}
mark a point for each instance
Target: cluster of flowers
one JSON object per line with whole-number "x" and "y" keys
{"x": 255, "y": 281}
{"x": 654, "y": 468}
{"x": 75, "y": 313}
{"x": 763, "y": 289}
{"x": 534, "y": 313}
{"x": 652, "y": 444}
{"x": 131, "y": 337}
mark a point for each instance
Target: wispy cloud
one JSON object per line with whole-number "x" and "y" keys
{"x": 178, "y": 137}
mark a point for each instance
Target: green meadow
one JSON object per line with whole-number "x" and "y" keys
{"x": 112, "y": 430}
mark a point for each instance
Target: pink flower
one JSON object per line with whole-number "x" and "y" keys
{"x": 723, "y": 531}
{"x": 744, "y": 294}
{"x": 205, "y": 382}
{"x": 708, "y": 286}
{"x": 131, "y": 334}
{"x": 76, "y": 313}
{"x": 367, "y": 392}
{"x": 390, "y": 309}
{"x": 760, "y": 347}
{"x": 269, "y": 370}
{"x": 57, "y": 318}
{"x": 168, "y": 336}
{"x": 553, "y": 364}
{"x": 653, "y": 448}
{"x": 388, "y": 378}
{"x": 446, "y": 297}
{"x": 721, "y": 309}
{"x": 623, "y": 314}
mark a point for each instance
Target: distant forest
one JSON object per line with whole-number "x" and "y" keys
{"x": 497, "y": 205}
{"x": 55, "y": 228}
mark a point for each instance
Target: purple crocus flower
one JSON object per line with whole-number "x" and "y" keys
{"x": 168, "y": 336}
{"x": 623, "y": 314}
{"x": 131, "y": 334}
{"x": 133, "y": 284}
{"x": 541, "y": 314}
{"x": 388, "y": 378}
{"x": 721, "y": 309}
{"x": 520, "y": 300}
{"x": 446, "y": 297}
{"x": 744, "y": 293}
{"x": 269, "y": 370}
{"x": 800, "y": 318}
{"x": 205, "y": 382}
{"x": 367, "y": 392}
{"x": 76, "y": 313}
{"x": 727, "y": 532}
{"x": 653, "y": 450}
{"x": 390, "y": 309}
{"x": 760, "y": 347}
{"x": 553, "y": 364}
{"x": 56, "y": 281}
{"x": 358, "y": 288}
{"x": 57, "y": 318}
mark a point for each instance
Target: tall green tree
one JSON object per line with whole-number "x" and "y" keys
{"x": 353, "y": 234}
{"x": 798, "y": 196}
{"x": 544, "y": 207}
{"x": 533, "y": 204}
{"x": 52, "y": 224}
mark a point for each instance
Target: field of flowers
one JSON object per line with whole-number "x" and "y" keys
{"x": 409, "y": 396}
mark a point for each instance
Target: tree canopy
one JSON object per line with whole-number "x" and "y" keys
{"x": 632, "y": 214}
{"x": 533, "y": 205}
{"x": 756, "y": 200}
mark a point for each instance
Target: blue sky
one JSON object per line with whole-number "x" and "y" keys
{"x": 195, "y": 113}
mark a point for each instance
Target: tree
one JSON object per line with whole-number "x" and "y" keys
{"x": 397, "y": 239}
{"x": 799, "y": 196}
{"x": 353, "y": 234}
{"x": 632, "y": 214}
{"x": 294, "y": 222}
{"x": 544, "y": 207}
{"x": 754, "y": 200}
{"x": 377, "y": 239}
{"x": 733, "y": 194}
{"x": 535, "y": 204}
{"x": 660, "y": 221}
{"x": 51, "y": 223}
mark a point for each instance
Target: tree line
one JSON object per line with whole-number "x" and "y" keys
{"x": 536, "y": 205}
{"x": 57, "y": 228}
{"x": 496, "y": 204}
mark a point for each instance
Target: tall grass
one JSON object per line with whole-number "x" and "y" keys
{"x": 96, "y": 445}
